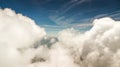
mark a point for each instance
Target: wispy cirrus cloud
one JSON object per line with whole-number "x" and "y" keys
{"x": 65, "y": 17}
{"x": 71, "y": 4}
{"x": 115, "y": 15}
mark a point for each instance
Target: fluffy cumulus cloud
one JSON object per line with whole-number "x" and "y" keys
{"x": 17, "y": 32}
{"x": 24, "y": 44}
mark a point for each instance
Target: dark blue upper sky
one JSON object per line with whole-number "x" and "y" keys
{"x": 68, "y": 13}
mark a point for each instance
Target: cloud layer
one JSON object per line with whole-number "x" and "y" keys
{"x": 24, "y": 44}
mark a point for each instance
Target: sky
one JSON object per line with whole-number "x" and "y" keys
{"x": 55, "y": 15}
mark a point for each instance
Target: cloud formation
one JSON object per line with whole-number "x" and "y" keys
{"x": 24, "y": 44}
{"x": 16, "y": 33}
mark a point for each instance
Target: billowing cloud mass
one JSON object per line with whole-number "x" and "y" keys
{"x": 24, "y": 44}
{"x": 17, "y": 32}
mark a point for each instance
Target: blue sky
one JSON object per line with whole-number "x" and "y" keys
{"x": 55, "y": 15}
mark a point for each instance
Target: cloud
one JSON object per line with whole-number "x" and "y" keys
{"x": 70, "y": 22}
{"x": 114, "y": 15}
{"x": 54, "y": 29}
{"x": 98, "y": 47}
{"x": 16, "y": 32}
{"x": 71, "y": 4}
{"x": 24, "y": 44}
{"x": 60, "y": 18}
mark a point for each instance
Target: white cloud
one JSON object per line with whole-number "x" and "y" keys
{"x": 16, "y": 32}
{"x": 98, "y": 47}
